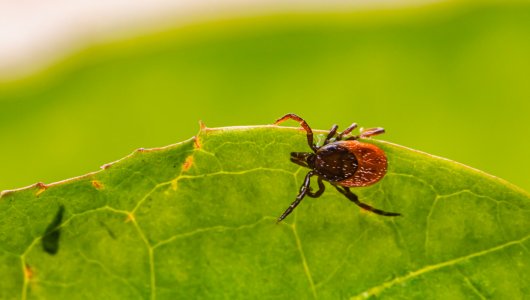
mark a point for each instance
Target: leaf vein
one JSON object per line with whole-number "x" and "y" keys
{"x": 218, "y": 228}
{"x": 109, "y": 272}
{"x": 388, "y": 284}
{"x": 471, "y": 285}
{"x": 304, "y": 261}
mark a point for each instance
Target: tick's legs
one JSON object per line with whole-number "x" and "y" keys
{"x": 304, "y": 125}
{"x": 346, "y": 131}
{"x": 304, "y": 189}
{"x": 346, "y": 192}
{"x": 331, "y": 133}
{"x": 318, "y": 193}
{"x": 368, "y": 133}
{"x": 372, "y": 131}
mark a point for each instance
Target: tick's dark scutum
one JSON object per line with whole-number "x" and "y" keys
{"x": 335, "y": 163}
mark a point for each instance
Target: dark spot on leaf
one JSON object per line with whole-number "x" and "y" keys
{"x": 50, "y": 239}
{"x": 109, "y": 231}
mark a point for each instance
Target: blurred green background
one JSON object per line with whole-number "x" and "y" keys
{"x": 449, "y": 79}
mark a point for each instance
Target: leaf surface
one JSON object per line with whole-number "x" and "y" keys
{"x": 197, "y": 220}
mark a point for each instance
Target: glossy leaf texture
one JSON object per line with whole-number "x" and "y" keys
{"x": 197, "y": 220}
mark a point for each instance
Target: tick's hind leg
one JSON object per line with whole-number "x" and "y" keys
{"x": 318, "y": 193}
{"x": 346, "y": 192}
{"x": 304, "y": 189}
{"x": 304, "y": 125}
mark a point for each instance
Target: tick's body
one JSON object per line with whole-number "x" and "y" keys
{"x": 343, "y": 162}
{"x": 350, "y": 163}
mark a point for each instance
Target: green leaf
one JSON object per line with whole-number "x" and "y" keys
{"x": 197, "y": 220}
{"x": 463, "y": 61}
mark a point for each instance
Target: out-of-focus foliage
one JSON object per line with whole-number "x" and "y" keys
{"x": 448, "y": 79}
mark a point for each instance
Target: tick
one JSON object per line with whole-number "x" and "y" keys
{"x": 342, "y": 160}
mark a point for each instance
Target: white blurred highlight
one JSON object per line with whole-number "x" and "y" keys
{"x": 35, "y": 33}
